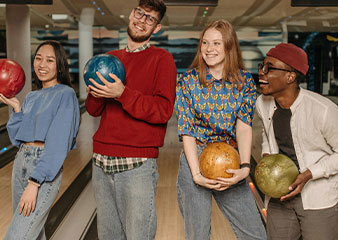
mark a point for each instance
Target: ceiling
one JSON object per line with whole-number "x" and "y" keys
{"x": 243, "y": 14}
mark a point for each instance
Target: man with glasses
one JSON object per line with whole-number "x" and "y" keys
{"x": 304, "y": 126}
{"x": 132, "y": 128}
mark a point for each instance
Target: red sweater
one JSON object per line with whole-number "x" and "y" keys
{"x": 134, "y": 124}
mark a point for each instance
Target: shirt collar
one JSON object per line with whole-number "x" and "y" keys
{"x": 298, "y": 100}
{"x": 210, "y": 78}
{"x": 144, "y": 47}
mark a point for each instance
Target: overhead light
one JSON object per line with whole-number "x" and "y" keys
{"x": 63, "y": 18}
{"x": 191, "y": 2}
{"x": 2, "y": 5}
{"x": 58, "y": 17}
{"x": 326, "y": 23}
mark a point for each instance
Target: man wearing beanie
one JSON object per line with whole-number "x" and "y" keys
{"x": 304, "y": 126}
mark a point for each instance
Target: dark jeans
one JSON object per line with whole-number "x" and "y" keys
{"x": 289, "y": 221}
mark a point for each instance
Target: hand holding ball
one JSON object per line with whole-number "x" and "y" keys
{"x": 216, "y": 158}
{"x": 12, "y": 78}
{"x": 274, "y": 174}
{"x": 104, "y": 64}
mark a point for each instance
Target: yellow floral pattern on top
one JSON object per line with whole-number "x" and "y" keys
{"x": 210, "y": 113}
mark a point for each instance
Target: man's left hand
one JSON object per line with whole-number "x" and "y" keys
{"x": 109, "y": 89}
{"x": 298, "y": 185}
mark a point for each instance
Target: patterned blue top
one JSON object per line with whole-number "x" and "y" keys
{"x": 210, "y": 114}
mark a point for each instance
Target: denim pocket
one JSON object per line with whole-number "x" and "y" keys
{"x": 28, "y": 158}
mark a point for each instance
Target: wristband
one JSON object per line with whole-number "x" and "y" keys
{"x": 243, "y": 165}
{"x": 34, "y": 181}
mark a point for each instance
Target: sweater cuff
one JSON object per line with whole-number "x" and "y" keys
{"x": 38, "y": 177}
{"x": 16, "y": 114}
{"x": 124, "y": 96}
{"x": 94, "y": 99}
{"x": 316, "y": 173}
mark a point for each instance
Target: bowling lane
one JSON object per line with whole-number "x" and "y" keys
{"x": 79, "y": 158}
{"x": 75, "y": 162}
{"x": 169, "y": 220}
{"x": 4, "y": 115}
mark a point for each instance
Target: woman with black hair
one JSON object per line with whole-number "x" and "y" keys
{"x": 44, "y": 128}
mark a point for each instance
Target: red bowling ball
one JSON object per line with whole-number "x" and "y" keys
{"x": 12, "y": 78}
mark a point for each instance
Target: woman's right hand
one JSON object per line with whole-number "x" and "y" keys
{"x": 13, "y": 102}
{"x": 28, "y": 200}
{"x": 208, "y": 183}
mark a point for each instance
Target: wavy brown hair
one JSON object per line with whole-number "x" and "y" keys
{"x": 233, "y": 61}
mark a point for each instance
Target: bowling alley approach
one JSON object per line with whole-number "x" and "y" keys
{"x": 168, "y": 119}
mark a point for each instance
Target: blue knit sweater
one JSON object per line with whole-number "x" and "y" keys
{"x": 49, "y": 115}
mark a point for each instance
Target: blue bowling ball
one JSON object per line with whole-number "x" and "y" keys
{"x": 104, "y": 64}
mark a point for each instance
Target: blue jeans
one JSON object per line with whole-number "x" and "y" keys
{"x": 30, "y": 227}
{"x": 126, "y": 202}
{"x": 236, "y": 203}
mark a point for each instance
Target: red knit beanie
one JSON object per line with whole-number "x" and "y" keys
{"x": 291, "y": 55}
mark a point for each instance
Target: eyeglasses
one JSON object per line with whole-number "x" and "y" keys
{"x": 266, "y": 68}
{"x": 139, "y": 13}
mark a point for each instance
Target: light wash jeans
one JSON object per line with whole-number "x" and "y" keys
{"x": 30, "y": 227}
{"x": 236, "y": 203}
{"x": 126, "y": 202}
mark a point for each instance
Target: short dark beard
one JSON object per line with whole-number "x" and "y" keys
{"x": 137, "y": 38}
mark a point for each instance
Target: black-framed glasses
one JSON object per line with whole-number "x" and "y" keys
{"x": 266, "y": 68}
{"x": 139, "y": 13}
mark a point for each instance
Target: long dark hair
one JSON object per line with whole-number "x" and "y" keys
{"x": 233, "y": 61}
{"x": 62, "y": 66}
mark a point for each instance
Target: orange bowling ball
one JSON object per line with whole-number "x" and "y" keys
{"x": 216, "y": 158}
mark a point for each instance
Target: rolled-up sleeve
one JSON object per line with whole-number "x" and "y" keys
{"x": 184, "y": 109}
{"x": 14, "y": 124}
{"x": 247, "y": 107}
{"x": 328, "y": 164}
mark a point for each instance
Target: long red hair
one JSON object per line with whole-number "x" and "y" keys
{"x": 233, "y": 61}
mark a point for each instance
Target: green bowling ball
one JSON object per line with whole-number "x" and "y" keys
{"x": 274, "y": 174}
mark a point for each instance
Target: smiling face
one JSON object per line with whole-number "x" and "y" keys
{"x": 45, "y": 66}
{"x": 138, "y": 30}
{"x": 275, "y": 82}
{"x": 212, "y": 49}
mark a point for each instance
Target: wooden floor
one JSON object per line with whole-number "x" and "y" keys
{"x": 75, "y": 162}
{"x": 170, "y": 223}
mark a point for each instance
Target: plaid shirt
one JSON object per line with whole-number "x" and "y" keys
{"x": 116, "y": 164}
{"x": 119, "y": 164}
{"x": 144, "y": 47}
